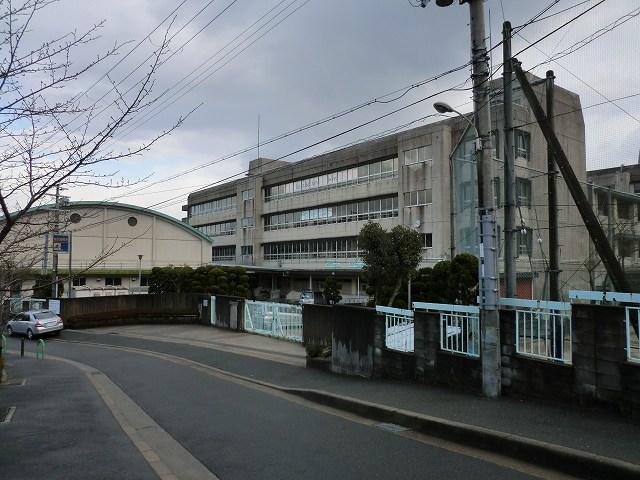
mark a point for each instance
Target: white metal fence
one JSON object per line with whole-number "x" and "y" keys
{"x": 399, "y": 328}
{"x": 633, "y": 327}
{"x": 543, "y": 329}
{"x": 279, "y": 320}
{"x": 459, "y": 327}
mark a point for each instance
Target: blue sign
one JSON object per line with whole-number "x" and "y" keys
{"x": 61, "y": 242}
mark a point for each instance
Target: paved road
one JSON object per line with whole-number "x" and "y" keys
{"x": 242, "y": 432}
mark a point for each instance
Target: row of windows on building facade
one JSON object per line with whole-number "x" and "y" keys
{"x": 328, "y": 248}
{"x": 371, "y": 209}
{"x": 366, "y": 173}
{"x": 109, "y": 281}
{"x": 362, "y": 210}
{"x": 624, "y": 209}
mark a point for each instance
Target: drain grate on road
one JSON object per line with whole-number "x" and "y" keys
{"x": 392, "y": 427}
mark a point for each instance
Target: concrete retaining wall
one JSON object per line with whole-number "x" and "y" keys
{"x": 131, "y": 309}
{"x": 599, "y": 372}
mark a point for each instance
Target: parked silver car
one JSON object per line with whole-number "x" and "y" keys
{"x": 306, "y": 297}
{"x": 35, "y": 322}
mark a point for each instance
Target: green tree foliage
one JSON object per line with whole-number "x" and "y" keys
{"x": 209, "y": 279}
{"x": 331, "y": 292}
{"x": 390, "y": 259}
{"x": 454, "y": 281}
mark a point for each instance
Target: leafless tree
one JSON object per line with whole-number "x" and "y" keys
{"x": 48, "y": 142}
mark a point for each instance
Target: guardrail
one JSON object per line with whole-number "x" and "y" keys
{"x": 543, "y": 329}
{"x": 459, "y": 327}
{"x": 399, "y": 328}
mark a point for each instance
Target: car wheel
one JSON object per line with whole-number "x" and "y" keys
{"x": 29, "y": 334}
{"x": 9, "y": 331}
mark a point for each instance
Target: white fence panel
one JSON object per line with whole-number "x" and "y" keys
{"x": 543, "y": 329}
{"x": 459, "y": 327}
{"x": 633, "y": 327}
{"x": 278, "y": 320}
{"x": 460, "y": 333}
{"x": 399, "y": 328}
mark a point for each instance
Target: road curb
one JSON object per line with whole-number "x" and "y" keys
{"x": 555, "y": 457}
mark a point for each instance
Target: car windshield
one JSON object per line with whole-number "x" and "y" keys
{"x": 44, "y": 315}
{"x": 307, "y": 294}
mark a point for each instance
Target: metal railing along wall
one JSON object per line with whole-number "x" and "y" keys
{"x": 278, "y": 320}
{"x": 543, "y": 329}
{"x": 459, "y": 327}
{"x": 399, "y": 328}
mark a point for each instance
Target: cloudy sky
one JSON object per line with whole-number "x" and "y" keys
{"x": 307, "y": 60}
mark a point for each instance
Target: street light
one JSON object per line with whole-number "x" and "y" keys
{"x": 442, "y": 108}
{"x": 140, "y": 273}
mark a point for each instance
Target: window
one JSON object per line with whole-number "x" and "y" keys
{"x": 627, "y": 246}
{"x": 144, "y": 281}
{"x": 603, "y": 203}
{"x": 212, "y": 206}
{"x": 113, "y": 281}
{"x": 222, "y": 254}
{"x": 218, "y": 229}
{"x": 525, "y": 241}
{"x": 79, "y": 281}
{"x": 497, "y": 197}
{"x": 625, "y": 209}
{"x": 75, "y": 218}
{"x": 247, "y": 222}
{"x": 132, "y": 221}
{"x": 417, "y": 155}
{"x": 248, "y": 194}
{"x": 304, "y": 249}
{"x": 523, "y": 144}
{"x": 468, "y": 194}
{"x": 361, "y": 174}
{"x": 366, "y": 209}
{"x": 417, "y": 198}
{"x": 247, "y": 249}
{"x": 427, "y": 240}
{"x": 523, "y": 192}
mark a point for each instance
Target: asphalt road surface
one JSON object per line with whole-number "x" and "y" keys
{"x": 244, "y": 432}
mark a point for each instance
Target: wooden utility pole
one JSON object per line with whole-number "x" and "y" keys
{"x": 599, "y": 238}
{"x": 554, "y": 249}
{"x": 509, "y": 166}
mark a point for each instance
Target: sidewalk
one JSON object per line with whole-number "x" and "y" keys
{"x": 593, "y": 431}
{"x": 60, "y": 427}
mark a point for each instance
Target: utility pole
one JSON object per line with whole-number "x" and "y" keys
{"x": 140, "y": 274}
{"x": 488, "y": 258}
{"x": 489, "y": 314}
{"x": 56, "y": 227}
{"x": 509, "y": 165}
{"x": 554, "y": 265}
{"x": 70, "y": 282}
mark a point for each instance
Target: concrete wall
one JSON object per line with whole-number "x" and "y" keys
{"x": 131, "y": 309}
{"x": 437, "y": 367}
{"x": 352, "y": 342}
{"x": 229, "y": 312}
{"x": 317, "y": 325}
{"x": 598, "y": 375}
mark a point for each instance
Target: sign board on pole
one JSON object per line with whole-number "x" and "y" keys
{"x": 61, "y": 242}
{"x": 54, "y": 306}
